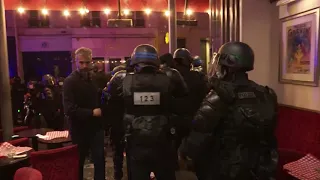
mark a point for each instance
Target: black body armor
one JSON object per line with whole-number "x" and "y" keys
{"x": 147, "y": 105}
{"x": 233, "y": 130}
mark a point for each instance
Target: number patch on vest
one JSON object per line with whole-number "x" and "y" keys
{"x": 146, "y": 98}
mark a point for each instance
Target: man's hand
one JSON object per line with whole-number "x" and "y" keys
{"x": 182, "y": 163}
{"x": 97, "y": 112}
{"x": 185, "y": 163}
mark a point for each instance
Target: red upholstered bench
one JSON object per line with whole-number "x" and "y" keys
{"x": 19, "y": 128}
{"x": 298, "y": 133}
{"x": 15, "y": 130}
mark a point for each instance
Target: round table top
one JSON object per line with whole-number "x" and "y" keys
{"x": 29, "y": 133}
{"x": 5, "y": 161}
{"x": 8, "y": 166}
{"x": 56, "y": 140}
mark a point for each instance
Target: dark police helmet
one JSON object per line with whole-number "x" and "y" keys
{"x": 48, "y": 80}
{"x": 197, "y": 61}
{"x": 182, "y": 56}
{"x": 232, "y": 57}
{"x": 166, "y": 58}
{"x": 16, "y": 80}
{"x": 146, "y": 54}
{"x": 236, "y": 55}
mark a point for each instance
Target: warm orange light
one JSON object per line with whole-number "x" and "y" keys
{"x": 189, "y": 12}
{"x": 83, "y": 11}
{"x": 208, "y": 11}
{"x": 21, "y": 10}
{"x": 126, "y": 12}
{"x": 148, "y": 11}
{"x": 167, "y": 13}
{"x": 66, "y": 13}
{"x": 107, "y": 11}
{"x": 45, "y": 11}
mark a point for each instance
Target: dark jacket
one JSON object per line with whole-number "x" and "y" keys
{"x": 101, "y": 79}
{"x": 80, "y": 97}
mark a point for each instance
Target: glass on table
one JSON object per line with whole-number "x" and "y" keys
{"x": 11, "y": 153}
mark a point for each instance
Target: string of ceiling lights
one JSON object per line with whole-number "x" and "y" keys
{"x": 84, "y": 11}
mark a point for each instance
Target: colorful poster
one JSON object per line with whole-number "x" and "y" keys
{"x": 299, "y": 48}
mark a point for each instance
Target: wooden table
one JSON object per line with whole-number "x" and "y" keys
{"x": 31, "y": 133}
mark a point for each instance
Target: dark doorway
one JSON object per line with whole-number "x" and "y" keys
{"x": 204, "y": 53}
{"x": 181, "y": 43}
{"x": 37, "y": 64}
{"x": 12, "y": 55}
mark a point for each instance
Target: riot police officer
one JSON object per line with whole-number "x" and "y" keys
{"x": 33, "y": 105}
{"x": 115, "y": 117}
{"x": 233, "y": 131}
{"x": 197, "y": 87}
{"x": 49, "y": 83}
{"x": 117, "y": 131}
{"x": 17, "y": 92}
{"x": 52, "y": 102}
{"x": 117, "y": 69}
{"x": 197, "y": 64}
{"x": 181, "y": 125}
{"x": 166, "y": 60}
{"x": 146, "y": 94}
{"x": 101, "y": 78}
{"x": 196, "y": 83}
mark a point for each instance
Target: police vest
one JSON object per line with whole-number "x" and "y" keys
{"x": 146, "y": 94}
{"x": 248, "y": 129}
{"x": 147, "y": 101}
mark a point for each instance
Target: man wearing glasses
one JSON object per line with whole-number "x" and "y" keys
{"x": 81, "y": 105}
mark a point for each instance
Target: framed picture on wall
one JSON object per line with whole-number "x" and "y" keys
{"x": 299, "y": 49}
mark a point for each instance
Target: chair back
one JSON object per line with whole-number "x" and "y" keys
{"x": 57, "y": 164}
{"x": 22, "y": 142}
{"x": 27, "y": 173}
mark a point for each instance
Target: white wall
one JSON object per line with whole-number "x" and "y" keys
{"x": 297, "y": 7}
{"x": 155, "y": 22}
{"x": 261, "y": 30}
{"x": 111, "y": 47}
{"x": 45, "y": 43}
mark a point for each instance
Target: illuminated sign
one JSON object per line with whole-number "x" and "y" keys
{"x": 166, "y": 38}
